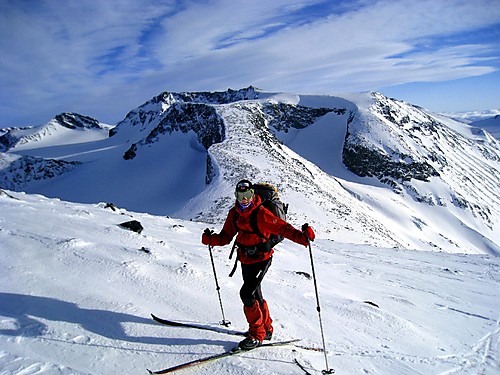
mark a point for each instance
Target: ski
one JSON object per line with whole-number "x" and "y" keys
{"x": 301, "y": 366}
{"x": 312, "y": 348}
{"x": 174, "y": 323}
{"x": 231, "y": 352}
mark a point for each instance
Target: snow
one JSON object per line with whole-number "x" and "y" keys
{"x": 168, "y": 176}
{"x": 146, "y": 182}
{"x": 53, "y": 134}
{"x": 77, "y": 291}
{"x": 487, "y": 120}
{"x": 491, "y": 124}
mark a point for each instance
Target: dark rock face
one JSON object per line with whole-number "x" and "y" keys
{"x": 387, "y": 162}
{"x": 367, "y": 162}
{"x": 76, "y": 121}
{"x": 22, "y": 170}
{"x": 133, "y": 225}
{"x": 283, "y": 116}
{"x": 184, "y": 117}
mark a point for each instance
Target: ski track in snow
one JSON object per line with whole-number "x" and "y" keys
{"x": 78, "y": 290}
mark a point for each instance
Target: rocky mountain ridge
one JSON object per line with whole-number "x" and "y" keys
{"x": 17, "y": 137}
{"x": 346, "y": 166}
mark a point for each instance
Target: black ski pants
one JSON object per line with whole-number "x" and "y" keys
{"x": 253, "y": 274}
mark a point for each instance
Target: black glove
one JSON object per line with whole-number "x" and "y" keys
{"x": 208, "y": 232}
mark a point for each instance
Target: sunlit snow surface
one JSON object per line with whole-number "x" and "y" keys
{"x": 77, "y": 291}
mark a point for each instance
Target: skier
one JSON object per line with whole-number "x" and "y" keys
{"x": 254, "y": 260}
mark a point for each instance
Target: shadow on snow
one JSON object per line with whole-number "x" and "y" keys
{"x": 29, "y": 311}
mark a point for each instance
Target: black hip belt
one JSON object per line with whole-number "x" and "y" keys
{"x": 250, "y": 251}
{"x": 263, "y": 247}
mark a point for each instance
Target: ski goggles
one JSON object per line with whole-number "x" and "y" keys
{"x": 244, "y": 191}
{"x": 241, "y": 195}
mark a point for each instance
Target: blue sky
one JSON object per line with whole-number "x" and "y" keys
{"x": 104, "y": 58}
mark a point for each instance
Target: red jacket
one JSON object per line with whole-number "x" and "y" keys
{"x": 238, "y": 223}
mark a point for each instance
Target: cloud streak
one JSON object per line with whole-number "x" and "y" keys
{"x": 84, "y": 55}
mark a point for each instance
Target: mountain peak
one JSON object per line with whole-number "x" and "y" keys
{"x": 368, "y": 169}
{"x": 211, "y": 97}
{"x": 77, "y": 121}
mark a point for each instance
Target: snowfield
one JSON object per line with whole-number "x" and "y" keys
{"x": 407, "y": 268}
{"x": 365, "y": 169}
{"x": 78, "y": 290}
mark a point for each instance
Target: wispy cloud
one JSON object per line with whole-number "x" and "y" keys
{"x": 84, "y": 54}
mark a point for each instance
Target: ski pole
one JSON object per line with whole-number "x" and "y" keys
{"x": 224, "y": 322}
{"x": 328, "y": 370}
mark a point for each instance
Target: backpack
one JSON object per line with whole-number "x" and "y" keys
{"x": 270, "y": 200}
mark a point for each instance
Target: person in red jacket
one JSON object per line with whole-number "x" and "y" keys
{"x": 255, "y": 258}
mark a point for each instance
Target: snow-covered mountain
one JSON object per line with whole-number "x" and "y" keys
{"x": 491, "y": 124}
{"x": 361, "y": 169}
{"x": 65, "y": 128}
{"x": 487, "y": 120}
{"x": 473, "y": 116}
{"x": 19, "y": 169}
{"x": 78, "y": 290}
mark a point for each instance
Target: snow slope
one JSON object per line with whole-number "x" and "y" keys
{"x": 487, "y": 120}
{"x": 64, "y": 129}
{"x": 77, "y": 291}
{"x": 412, "y": 179}
{"x": 491, "y": 124}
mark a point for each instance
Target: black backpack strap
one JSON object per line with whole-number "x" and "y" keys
{"x": 234, "y": 267}
{"x": 232, "y": 250}
{"x": 265, "y": 246}
{"x": 254, "y": 224}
